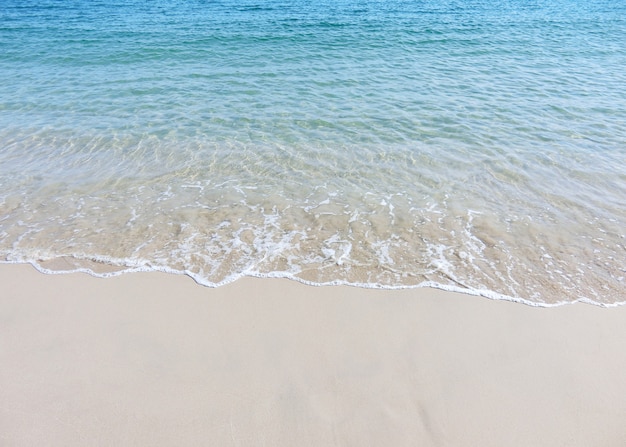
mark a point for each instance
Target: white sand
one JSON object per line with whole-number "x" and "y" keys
{"x": 153, "y": 359}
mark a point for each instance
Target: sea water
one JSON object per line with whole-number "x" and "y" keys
{"x": 477, "y": 146}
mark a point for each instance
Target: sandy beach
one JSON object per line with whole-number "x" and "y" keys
{"x": 261, "y": 151}
{"x": 155, "y": 359}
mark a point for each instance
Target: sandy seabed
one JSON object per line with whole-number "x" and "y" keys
{"x": 150, "y": 359}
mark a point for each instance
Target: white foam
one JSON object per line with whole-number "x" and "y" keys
{"x": 199, "y": 279}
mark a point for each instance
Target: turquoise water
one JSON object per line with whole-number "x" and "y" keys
{"x": 477, "y": 146}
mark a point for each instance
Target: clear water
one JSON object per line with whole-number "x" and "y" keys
{"x": 477, "y": 146}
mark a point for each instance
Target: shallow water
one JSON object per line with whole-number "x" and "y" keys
{"x": 474, "y": 146}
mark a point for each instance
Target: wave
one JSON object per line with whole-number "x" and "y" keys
{"x": 119, "y": 270}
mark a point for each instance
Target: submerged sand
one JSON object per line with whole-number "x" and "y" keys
{"x": 154, "y": 359}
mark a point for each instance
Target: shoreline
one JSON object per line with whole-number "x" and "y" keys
{"x": 156, "y": 359}
{"x": 111, "y": 271}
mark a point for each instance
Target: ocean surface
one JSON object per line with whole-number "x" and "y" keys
{"x": 477, "y": 146}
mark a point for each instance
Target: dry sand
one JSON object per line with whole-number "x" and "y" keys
{"x": 153, "y": 359}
